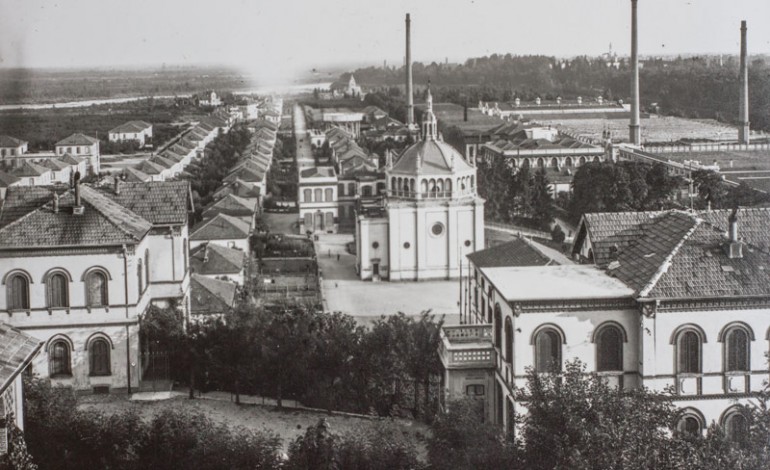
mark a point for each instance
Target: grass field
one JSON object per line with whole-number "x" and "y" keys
{"x": 288, "y": 424}
{"x": 43, "y": 128}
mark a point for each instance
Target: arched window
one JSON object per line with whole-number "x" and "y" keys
{"x": 318, "y": 195}
{"x": 307, "y": 195}
{"x": 568, "y": 162}
{"x": 554, "y": 163}
{"x": 540, "y": 162}
{"x": 57, "y": 289}
{"x": 341, "y": 189}
{"x": 690, "y": 425}
{"x": 424, "y": 187}
{"x": 736, "y": 427}
{"x": 99, "y": 357}
{"x": 96, "y": 289}
{"x": 688, "y": 352}
{"x": 59, "y": 359}
{"x": 508, "y": 340}
{"x": 609, "y": 349}
{"x": 17, "y": 292}
{"x": 548, "y": 351}
{"x": 498, "y": 325}
{"x": 737, "y": 350}
{"x": 393, "y": 183}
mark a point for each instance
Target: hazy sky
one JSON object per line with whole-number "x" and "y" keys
{"x": 275, "y": 38}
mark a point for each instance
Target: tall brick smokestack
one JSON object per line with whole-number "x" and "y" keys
{"x": 743, "y": 110}
{"x": 409, "y": 97}
{"x": 634, "y": 132}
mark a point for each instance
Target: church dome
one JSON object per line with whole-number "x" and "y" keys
{"x": 430, "y": 168}
{"x": 430, "y": 156}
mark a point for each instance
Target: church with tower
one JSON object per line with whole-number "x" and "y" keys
{"x": 432, "y": 216}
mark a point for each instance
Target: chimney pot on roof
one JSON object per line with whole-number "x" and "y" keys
{"x": 117, "y": 185}
{"x": 733, "y": 225}
{"x": 55, "y": 203}
{"x": 205, "y": 253}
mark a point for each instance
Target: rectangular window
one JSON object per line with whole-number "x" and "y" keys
{"x": 474, "y": 390}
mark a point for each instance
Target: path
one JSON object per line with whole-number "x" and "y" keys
{"x": 304, "y": 150}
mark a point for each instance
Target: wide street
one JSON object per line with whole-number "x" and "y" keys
{"x": 304, "y": 150}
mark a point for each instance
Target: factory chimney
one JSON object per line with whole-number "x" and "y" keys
{"x": 743, "y": 110}
{"x": 633, "y": 127}
{"x": 409, "y": 93}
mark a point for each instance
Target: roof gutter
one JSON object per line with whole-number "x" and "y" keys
{"x": 19, "y": 370}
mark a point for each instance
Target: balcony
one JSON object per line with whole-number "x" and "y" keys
{"x": 467, "y": 347}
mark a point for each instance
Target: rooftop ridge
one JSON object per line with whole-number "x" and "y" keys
{"x": 667, "y": 260}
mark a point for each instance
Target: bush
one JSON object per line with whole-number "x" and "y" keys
{"x": 557, "y": 234}
{"x": 382, "y": 447}
{"x": 61, "y": 437}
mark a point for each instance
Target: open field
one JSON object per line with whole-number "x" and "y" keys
{"x": 61, "y": 85}
{"x": 656, "y": 129}
{"x": 43, "y": 128}
{"x": 288, "y": 423}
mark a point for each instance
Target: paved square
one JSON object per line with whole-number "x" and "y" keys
{"x": 367, "y": 301}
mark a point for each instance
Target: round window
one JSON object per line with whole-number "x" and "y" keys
{"x": 376, "y": 245}
{"x": 437, "y": 229}
{"x": 407, "y": 245}
{"x": 467, "y": 243}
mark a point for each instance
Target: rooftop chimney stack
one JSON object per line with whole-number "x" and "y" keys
{"x": 55, "y": 203}
{"x": 733, "y": 247}
{"x": 409, "y": 97}
{"x": 77, "y": 209}
{"x": 743, "y": 111}
{"x": 633, "y": 127}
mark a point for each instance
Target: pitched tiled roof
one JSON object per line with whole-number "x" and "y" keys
{"x": 210, "y": 296}
{"x": 213, "y": 259}
{"x": 8, "y": 141}
{"x": 27, "y": 169}
{"x": 231, "y": 205}
{"x": 55, "y": 164}
{"x": 7, "y": 179}
{"x": 103, "y": 222}
{"x": 609, "y": 229}
{"x": 245, "y": 174}
{"x": 164, "y": 162}
{"x": 638, "y": 262}
{"x": 160, "y": 202}
{"x": 16, "y": 351}
{"x": 239, "y": 188}
{"x": 516, "y": 252}
{"x": 77, "y": 139}
{"x": 72, "y": 160}
{"x": 221, "y": 227}
{"x": 21, "y": 200}
{"x": 149, "y": 168}
{"x": 131, "y": 127}
{"x": 679, "y": 255}
{"x": 135, "y": 176}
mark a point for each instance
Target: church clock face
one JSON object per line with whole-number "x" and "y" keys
{"x": 437, "y": 229}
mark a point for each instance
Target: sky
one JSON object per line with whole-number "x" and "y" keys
{"x": 276, "y": 39}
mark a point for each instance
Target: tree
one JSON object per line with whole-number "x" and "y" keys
{"x": 557, "y": 234}
{"x": 460, "y": 439}
{"x": 542, "y": 201}
{"x": 379, "y": 447}
{"x": 711, "y": 189}
{"x": 576, "y": 420}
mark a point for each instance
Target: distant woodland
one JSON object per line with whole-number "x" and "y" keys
{"x": 694, "y": 87}
{"x": 53, "y": 85}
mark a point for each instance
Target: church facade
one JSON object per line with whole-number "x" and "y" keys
{"x": 432, "y": 217}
